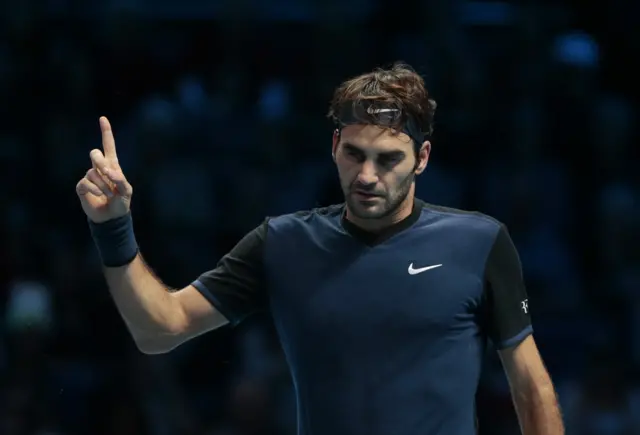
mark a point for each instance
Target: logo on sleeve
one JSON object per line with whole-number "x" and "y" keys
{"x": 525, "y": 306}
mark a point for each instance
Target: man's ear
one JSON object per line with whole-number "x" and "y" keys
{"x": 336, "y": 141}
{"x": 423, "y": 157}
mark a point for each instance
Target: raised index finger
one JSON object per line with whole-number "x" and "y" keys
{"x": 108, "y": 142}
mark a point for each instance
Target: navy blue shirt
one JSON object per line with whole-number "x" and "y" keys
{"x": 384, "y": 333}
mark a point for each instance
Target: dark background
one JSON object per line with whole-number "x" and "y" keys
{"x": 219, "y": 114}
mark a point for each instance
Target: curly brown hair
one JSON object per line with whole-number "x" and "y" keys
{"x": 399, "y": 87}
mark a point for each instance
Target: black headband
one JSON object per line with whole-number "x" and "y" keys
{"x": 384, "y": 115}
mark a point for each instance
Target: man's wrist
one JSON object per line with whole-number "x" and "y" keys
{"x": 115, "y": 240}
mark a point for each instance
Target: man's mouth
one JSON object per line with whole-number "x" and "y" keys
{"x": 365, "y": 195}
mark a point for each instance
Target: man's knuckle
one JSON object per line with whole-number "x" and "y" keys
{"x": 119, "y": 177}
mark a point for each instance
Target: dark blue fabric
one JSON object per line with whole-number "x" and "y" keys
{"x": 115, "y": 241}
{"x": 374, "y": 350}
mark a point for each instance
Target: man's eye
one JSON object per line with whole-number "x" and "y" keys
{"x": 388, "y": 160}
{"x": 354, "y": 154}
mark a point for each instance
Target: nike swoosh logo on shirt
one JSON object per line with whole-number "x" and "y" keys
{"x": 413, "y": 271}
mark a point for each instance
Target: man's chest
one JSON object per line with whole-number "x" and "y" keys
{"x": 408, "y": 285}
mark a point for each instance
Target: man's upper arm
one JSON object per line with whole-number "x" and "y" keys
{"x": 508, "y": 318}
{"x": 230, "y": 292}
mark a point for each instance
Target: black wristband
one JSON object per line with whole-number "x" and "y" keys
{"x": 115, "y": 240}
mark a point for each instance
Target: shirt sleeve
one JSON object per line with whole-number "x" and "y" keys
{"x": 236, "y": 287}
{"x": 508, "y": 317}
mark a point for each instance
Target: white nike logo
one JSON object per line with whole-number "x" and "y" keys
{"x": 413, "y": 271}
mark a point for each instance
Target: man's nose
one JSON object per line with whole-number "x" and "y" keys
{"x": 368, "y": 173}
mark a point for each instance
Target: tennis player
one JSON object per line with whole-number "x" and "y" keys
{"x": 383, "y": 304}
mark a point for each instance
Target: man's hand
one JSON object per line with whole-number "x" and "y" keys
{"x": 104, "y": 192}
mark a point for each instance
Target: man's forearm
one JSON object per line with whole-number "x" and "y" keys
{"x": 145, "y": 304}
{"x": 538, "y": 411}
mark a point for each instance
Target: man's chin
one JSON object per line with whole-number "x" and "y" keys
{"x": 368, "y": 209}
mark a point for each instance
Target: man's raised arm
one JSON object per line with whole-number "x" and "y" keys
{"x": 160, "y": 318}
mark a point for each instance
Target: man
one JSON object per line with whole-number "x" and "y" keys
{"x": 383, "y": 304}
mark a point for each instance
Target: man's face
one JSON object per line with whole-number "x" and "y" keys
{"x": 377, "y": 167}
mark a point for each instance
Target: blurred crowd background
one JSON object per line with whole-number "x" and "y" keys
{"x": 219, "y": 114}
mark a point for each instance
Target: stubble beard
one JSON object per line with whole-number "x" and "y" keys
{"x": 389, "y": 206}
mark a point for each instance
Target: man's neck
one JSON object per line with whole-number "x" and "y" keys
{"x": 375, "y": 225}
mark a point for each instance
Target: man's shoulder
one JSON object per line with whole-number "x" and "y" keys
{"x": 318, "y": 215}
{"x": 466, "y": 220}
